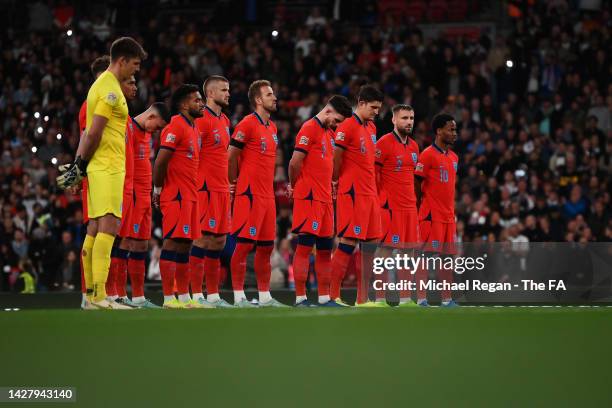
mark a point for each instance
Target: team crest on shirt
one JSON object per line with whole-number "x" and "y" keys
{"x": 211, "y": 223}
{"x": 455, "y": 166}
{"x": 373, "y": 138}
{"x": 239, "y": 136}
{"x": 395, "y": 239}
{"x": 252, "y": 231}
{"x": 170, "y": 138}
{"x": 303, "y": 140}
{"x": 275, "y": 138}
{"x": 315, "y": 225}
{"x": 264, "y": 145}
{"x": 435, "y": 244}
{"x": 357, "y": 229}
{"x": 186, "y": 229}
{"x": 419, "y": 167}
{"x": 415, "y": 158}
{"x": 340, "y": 136}
{"x": 333, "y": 143}
{"x": 136, "y": 228}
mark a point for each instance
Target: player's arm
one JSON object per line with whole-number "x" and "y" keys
{"x": 302, "y": 146}
{"x": 91, "y": 139}
{"x": 378, "y": 161}
{"x": 419, "y": 175}
{"x": 169, "y": 142}
{"x": 237, "y": 143}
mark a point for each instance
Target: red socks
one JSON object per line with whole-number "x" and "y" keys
{"x": 363, "y": 278}
{"x": 263, "y": 269}
{"x": 136, "y": 268}
{"x": 212, "y": 269}
{"x": 340, "y": 261}
{"x": 196, "y": 266}
{"x": 238, "y": 264}
{"x": 445, "y": 275}
{"x": 182, "y": 273}
{"x": 323, "y": 268}
{"x": 167, "y": 269}
{"x": 301, "y": 265}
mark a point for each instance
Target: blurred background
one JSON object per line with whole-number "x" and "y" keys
{"x": 528, "y": 83}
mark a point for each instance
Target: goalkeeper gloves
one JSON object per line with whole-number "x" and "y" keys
{"x": 72, "y": 174}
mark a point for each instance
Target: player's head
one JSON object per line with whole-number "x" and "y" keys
{"x": 369, "y": 101}
{"x": 444, "y": 128}
{"x": 99, "y": 65}
{"x": 127, "y": 54}
{"x": 337, "y": 109}
{"x": 216, "y": 89}
{"x": 156, "y": 117}
{"x": 262, "y": 95}
{"x": 187, "y": 99}
{"x": 403, "y": 119}
{"x": 129, "y": 88}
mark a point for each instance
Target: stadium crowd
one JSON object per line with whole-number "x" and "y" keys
{"x": 533, "y": 102}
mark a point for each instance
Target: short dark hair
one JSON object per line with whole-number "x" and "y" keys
{"x": 401, "y": 106}
{"x": 100, "y": 65}
{"x": 162, "y": 110}
{"x": 440, "y": 120}
{"x": 126, "y": 47}
{"x": 211, "y": 80}
{"x": 341, "y": 105}
{"x": 255, "y": 90}
{"x": 369, "y": 93}
{"x": 180, "y": 94}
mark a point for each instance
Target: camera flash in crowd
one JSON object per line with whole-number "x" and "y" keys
{"x": 34, "y": 149}
{"x": 40, "y": 129}
{"x": 509, "y": 63}
{"x": 274, "y": 33}
{"x": 69, "y": 33}
{"x": 53, "y": 161}
{"x": 46, "y": 118}
{"x": 36, "y": 115}
{"x": 59, "y": 136}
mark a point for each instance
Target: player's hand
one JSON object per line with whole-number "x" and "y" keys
{"x": 72, "y": 174}
{"x": 334, "y": 190}
{"x": 155, "y": 197}
{"x": 75, "y": 189}
{"x": 289, "y": 192}
{"x": 232, "y": 190}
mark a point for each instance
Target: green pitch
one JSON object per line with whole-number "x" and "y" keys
{"x": 490, "y": 357}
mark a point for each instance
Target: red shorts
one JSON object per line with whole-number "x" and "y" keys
{"x": 438, "y": 236}
{"x": 215, "y": 215}
{"x": 140, "y": 220}
{"x": 313, "y": 217}
{"x": 358, "y": 217}
{"x": 400, "y": 227}
{"x": 180, "y": 219}
{"x": 127, "y": 206}
{"x": 84, "y": 200}
{"x": 254, "y": 218}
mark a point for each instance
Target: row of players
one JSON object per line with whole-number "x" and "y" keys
{"x": 209, "y": 182}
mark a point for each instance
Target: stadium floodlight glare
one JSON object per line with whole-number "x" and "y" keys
{"x": 40, "y": 129}
{"x": 46, "y": 118}
{"x": 59, "y": 136}
{"x": 34, "y": 149}
{"x": 53, "y": 161}
{"x": 274, "y": 33}
{"x": 36, "y": 115}
{"x": 69, "y": 33}
{"x": 509, "y": 63}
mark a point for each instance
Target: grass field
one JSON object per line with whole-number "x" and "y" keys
{"x": 491, "y": 357}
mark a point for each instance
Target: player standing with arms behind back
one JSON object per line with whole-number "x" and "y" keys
{"x": 310, "y": 183}
{"x": 213, "y": 193}
{"x": 357, "y": 208}
{"x": 175, "y": 193}
{"x": 251, "y": 167}
{"x": 436, "y": 174}
{"x": 101, "y": 156}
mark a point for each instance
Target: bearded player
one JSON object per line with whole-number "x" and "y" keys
{"x": 310, "y": 184}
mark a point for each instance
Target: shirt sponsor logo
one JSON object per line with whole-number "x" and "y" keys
{"x": 170, "y": 138}
{"x": 398, "y": 163}
{"x": 303, "y": 140}
{"x": 264, "y": 145}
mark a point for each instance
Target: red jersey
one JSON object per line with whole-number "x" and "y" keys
{"x": 83, "y": 118}
{"x": 258, "y": 141}
{"x": 358, "y": 139}
{"x": 141, "y": 155}
{"x": 215, "y": 135}
{"x": 314, "y": 181}
{"x": 128, "y": 184}
{"x": 438, "y": 170}
{"x": 181, "y": 136}
{"x": 397, "y": 161}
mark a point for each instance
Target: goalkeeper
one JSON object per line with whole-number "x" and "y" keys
{"x": 101, "y": 154}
